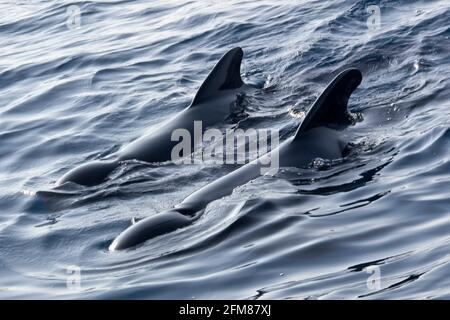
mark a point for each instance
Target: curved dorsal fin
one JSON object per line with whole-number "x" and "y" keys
{"x": 331, "y": 106}
{"x": 225, "y": 75}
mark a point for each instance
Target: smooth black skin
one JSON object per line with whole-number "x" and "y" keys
{"x": 211, "y": 105}
{"x": 319, "y": 136}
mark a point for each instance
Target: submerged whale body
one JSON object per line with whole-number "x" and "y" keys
{"x": 212, "y": 104}
{"x": 319, "y": 135}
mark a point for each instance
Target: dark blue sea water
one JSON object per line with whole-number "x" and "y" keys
{"x": 73, "y": 90}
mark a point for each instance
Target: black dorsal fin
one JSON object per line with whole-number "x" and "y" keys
{"x": 330, "y": 109}
{"x": 225, "y": 75}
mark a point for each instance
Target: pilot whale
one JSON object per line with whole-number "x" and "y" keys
{"x": 320, "y": 135}
{"x": 212, "y": 104}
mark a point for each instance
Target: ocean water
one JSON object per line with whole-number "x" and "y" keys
{"x": 80, "y": 79}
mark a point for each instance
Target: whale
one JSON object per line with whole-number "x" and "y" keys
{"x": 322, "y": 134}
{"x": 213, "y": 103}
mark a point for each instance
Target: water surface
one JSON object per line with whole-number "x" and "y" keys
{"x": 70, "y": 93}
